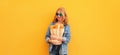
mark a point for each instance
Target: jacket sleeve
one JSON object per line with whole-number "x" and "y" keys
{"x": 47, "y": 36}
{"x": 66, "y": 36}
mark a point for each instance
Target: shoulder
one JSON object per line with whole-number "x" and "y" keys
{"x": 67, "y": 26}
{"x": 52, "y": 23}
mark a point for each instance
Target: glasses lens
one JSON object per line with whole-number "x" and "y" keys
{"x": 61, "y": 14}
{"x": 57, "y": 14}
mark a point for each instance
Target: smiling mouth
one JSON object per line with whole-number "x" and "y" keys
{"x": 59, "y": 18}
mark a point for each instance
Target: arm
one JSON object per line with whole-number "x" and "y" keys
{"x": 66, "y": 37}
{"x": 48, "y": 34}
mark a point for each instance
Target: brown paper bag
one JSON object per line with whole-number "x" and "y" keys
{"x": 58, "y": 30}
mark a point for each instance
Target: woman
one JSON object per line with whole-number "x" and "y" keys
{"x": 54, "y": 47}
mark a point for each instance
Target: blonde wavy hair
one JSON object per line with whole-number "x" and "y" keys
{"x": 65, "y": 17}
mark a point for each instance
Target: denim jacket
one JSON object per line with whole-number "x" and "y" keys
{"x": 66, "y": 39}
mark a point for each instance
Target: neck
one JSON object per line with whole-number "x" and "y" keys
{"x": 59, "y": 22}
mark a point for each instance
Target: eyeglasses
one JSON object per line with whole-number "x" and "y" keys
{"x": 59, "y": 14}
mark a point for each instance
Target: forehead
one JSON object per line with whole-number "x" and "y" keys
{"x": 59, "y": 11}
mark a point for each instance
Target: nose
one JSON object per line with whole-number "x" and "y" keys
{"x": 58, "y": 16}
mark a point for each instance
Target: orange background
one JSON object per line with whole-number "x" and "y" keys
{"x": 95, "y": 26}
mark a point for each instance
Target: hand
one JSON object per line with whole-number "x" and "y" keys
{"x": 49, "y": 40}
{"x": 59, "y": 39}
{"x": 56, "y": 42}
{"x": 52, "y": 41}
